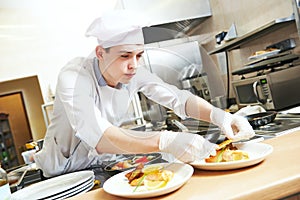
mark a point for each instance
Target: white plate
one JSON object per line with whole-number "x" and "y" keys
{"x": 53, "y": 186}
{"x": 257, "y": 153}
{"x": 79, "y": 190}
{"x": 264, "y": 55}
{"x": 74, "y": 191}
{"x": 118, "y": 184}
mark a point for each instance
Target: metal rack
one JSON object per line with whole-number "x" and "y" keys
{"x": 268, "y": 28}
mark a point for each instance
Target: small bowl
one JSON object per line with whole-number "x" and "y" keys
{"x": 131, "y": 158}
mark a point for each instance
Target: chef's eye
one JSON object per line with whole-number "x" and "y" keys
{"x": 125, "y": 56}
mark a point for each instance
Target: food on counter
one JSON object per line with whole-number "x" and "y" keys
{"x": 263, "y": 51}
{"x": 227, "y": 152}
{"x": 132, "y": 162}
{"x": 152, "y": 177}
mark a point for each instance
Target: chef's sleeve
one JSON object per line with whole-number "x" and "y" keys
{"x": 163, "y": 93}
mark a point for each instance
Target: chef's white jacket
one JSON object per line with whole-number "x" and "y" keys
{"x": 85, "y": 107}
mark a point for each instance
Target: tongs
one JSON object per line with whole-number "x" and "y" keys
{"x": 213, "y": 135}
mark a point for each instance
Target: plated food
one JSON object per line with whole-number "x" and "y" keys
{"x": 264, "y": 51}
{"x": 165, "y": 178}
{"x": 257, "y": 152}
{"x": 226, "y": 153}
{"x": 152, "y": 177}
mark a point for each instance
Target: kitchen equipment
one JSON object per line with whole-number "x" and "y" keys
{"x": 275, "y": 90}
{"x": 168, "y": 16}
{"x": 268, "y": 62}
{"x": 24, "y": 175}
{"x": 197, "y": 85}
{"x": 220, "y": 37}
{"x": 284, "y": 45}
{"x": 261, "y": 119}
{"x": 282, "y": 124}
{"x": 219, "y": 101}
{"x": 211, "y": 134}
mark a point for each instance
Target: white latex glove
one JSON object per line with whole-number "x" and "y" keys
{"x": 227, "y": 121}
{"x": 186, "y": 147}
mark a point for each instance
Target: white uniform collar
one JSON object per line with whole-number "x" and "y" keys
{"x": 101, "y": 81}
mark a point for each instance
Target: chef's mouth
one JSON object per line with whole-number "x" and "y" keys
{"x": 130, "y": 75}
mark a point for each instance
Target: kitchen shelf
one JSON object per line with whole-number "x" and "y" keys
{"x": 270, "y": 27}
{"x": 8, "y": 153}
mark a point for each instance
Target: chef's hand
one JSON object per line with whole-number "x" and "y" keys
{"x": 234, "y": 126}
{"x": 186, "y": 147}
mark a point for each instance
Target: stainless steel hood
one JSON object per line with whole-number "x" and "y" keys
{"x": 169, "y": 19}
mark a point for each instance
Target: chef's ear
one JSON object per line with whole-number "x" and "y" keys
{"x": 99, "y": 52}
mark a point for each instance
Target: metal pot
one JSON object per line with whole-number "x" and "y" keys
{"x": 261, "y": 119}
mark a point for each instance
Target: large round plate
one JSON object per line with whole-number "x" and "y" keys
{"x": 53, "y": 186}
{"x": 84, "y": 187}
{"x": 118, "y": 184}
{"x": 257, "y": 153}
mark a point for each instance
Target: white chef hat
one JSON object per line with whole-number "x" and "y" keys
{"x": 117, "y": 28}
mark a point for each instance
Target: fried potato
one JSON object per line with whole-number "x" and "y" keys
{"x": 227, "y": 152}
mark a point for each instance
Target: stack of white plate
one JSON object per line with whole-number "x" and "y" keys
{"x": 59, "y": 187}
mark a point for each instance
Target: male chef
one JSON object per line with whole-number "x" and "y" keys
{"x": 92, "y": 100}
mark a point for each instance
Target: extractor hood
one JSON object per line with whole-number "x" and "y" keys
{"x": 169, "y": 19}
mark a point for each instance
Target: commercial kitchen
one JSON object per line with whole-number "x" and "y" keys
{"x": 241, "y": 56}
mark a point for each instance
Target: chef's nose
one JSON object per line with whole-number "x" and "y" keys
{"x": 133, "y": 64}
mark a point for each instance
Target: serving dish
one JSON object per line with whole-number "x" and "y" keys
{"x": 118, "y": 185}
{"x": 264, "y": 55}
{"x": 257, "y": 153}
{"x": 59, "y": 187}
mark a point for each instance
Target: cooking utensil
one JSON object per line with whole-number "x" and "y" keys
{"x": 261, "y": 119}
{"x": 211, "y": 135}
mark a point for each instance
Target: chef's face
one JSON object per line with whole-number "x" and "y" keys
{"x": 118, "y": 64}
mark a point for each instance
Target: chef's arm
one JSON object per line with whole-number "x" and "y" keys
{"x": 198, "y": 108}
{"x": 186, "y": 147}
{"x": 118, "y": 140}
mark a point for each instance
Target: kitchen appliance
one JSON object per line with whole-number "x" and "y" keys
{"x": 168, "y": 20}
{"x": 177, "y": 62}
{"x": 281, "y": 125}
{"x": 275, "y": 90}
{"x": 197, "y": 85}
{"x": 262, "y": 118}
